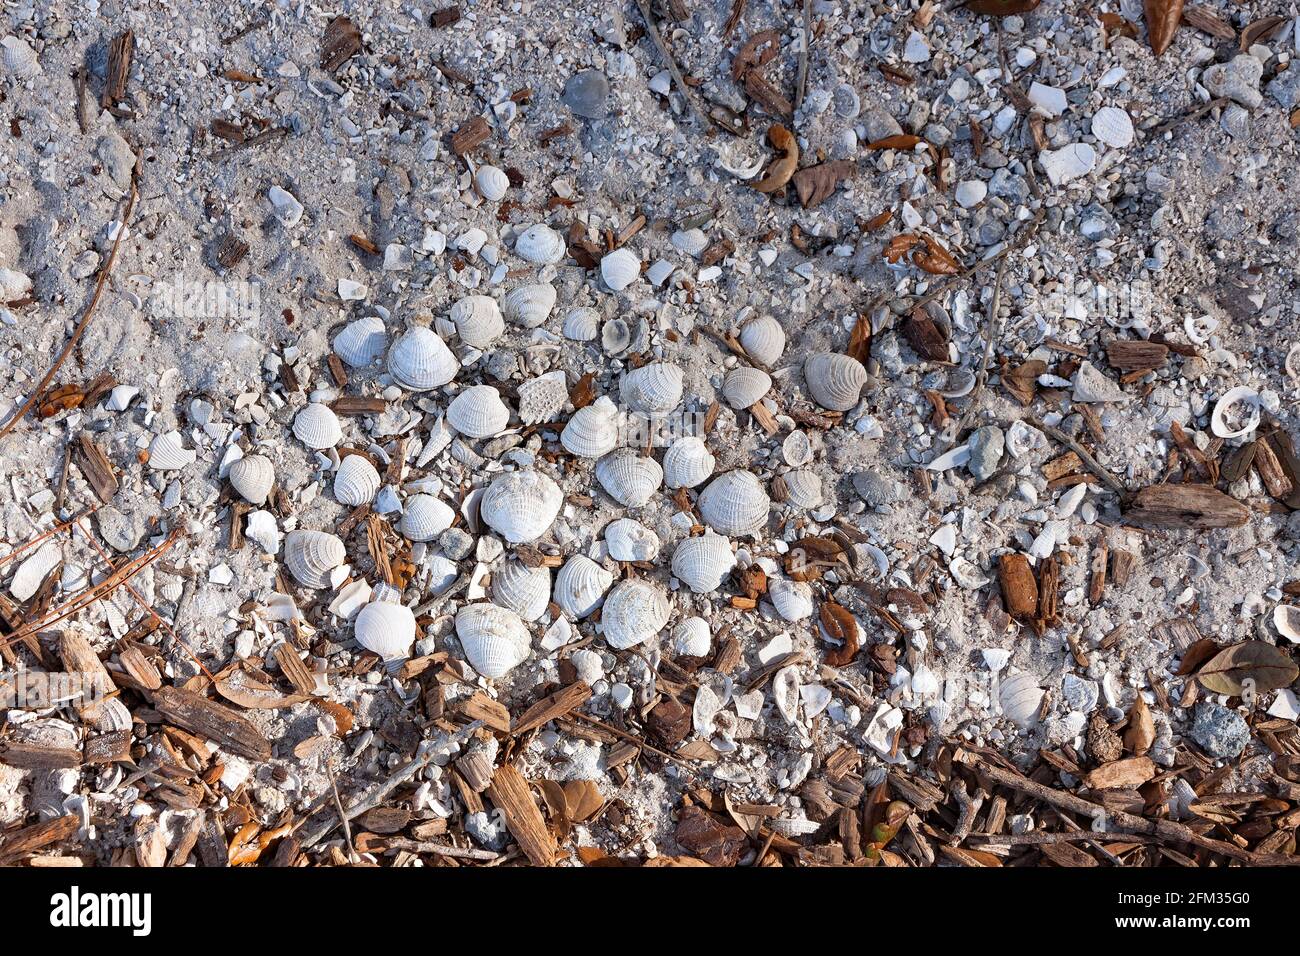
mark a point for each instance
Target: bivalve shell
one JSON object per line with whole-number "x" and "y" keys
{"x": 386, "y": 629}
{"x": 630, "y": 540}
{"x": 167, "y": 453}
{"x": 529, "y": 305}
{"x": 652, "y": 389}
{"x": 593, "y": 429}
{"x": 310, "y": 556}
{"x": 356, "y": 482}
{"x": 1286, "y": 618}
{"x": 521, "y": 506}
{"x": 582, "y": 324}
{"x": 1020, "y": 697}
{"x": 735, "y": 504}
{"x": 745, "y": 386}
{"x": 690, "y": 241}
{"x": 494, "y": 639}
{"x": 253, "y": 477}
{"x": 419, "y": 360}
{"x": 540, "y": 244}
{"x": 630, "y": 478}
{"x": 361, "y": 342}
{"x": 316, "y": 426}
{"x": 692, "y": 637}
{"x": 687, "y": 463}
{"x": 542, "y": 398}
{"x": 491, "y": 183}
{"x": 702, "y": 562}
{"x": 425, "y": 517}
{"x": 763, "y": 339}
{"x": 478, "y": 320}
{"x": 1245, "y": 418}
{"x": 1112, "y": 126}
{"x": 478, "y": 412}
{"x": 803, "y": 489}
{"x": 580, "y": 586}
{"x": 620, "y": 269}
{"x": 634, "y": 612}
{"x": 524, "y": 590}
{"x": 834, "y": 380}
{"x": 32, "y": 571}
{"x": 18, "y": 58}
{"x": 793, "y": 600}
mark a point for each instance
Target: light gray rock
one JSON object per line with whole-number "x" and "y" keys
{"x": 585, "y": 94}
{"x": 118, "y": 531}
{"x": 116, "y": 156}
{"x": 1092, "y": 385}
{"x": 879, "y": 124}
{"x": 1286, "y": 88}
{"x": 1237, "y": 79}
{"x": 986, "y": 447}
{"x": 1220, "y": 732}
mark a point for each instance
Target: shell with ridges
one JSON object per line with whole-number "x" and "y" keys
{"x": 491, "y": 183}
{"x": 652, "y": 389}
{"x": 310, "y": 556}
{"x": 1241, "y": 395}
{"x": 521, "y": 506}
{"x": 494, "y": 639}
{"x": 478, "y": 320}
{"x": 167, "y": 453}
{"x": 702, "y": 562}
{"x": 253, "y": 477}
{"x": 1020, "y": 697}
{"x": 425, "y": 517}
{"x": 763, "y": 340}
{"x": 793, "y": 600}
{"x": 687, "y": 463}
{"x": 734, "y": 504}
{"x": 478, "y": 412}
{"x": 356, "y": 482}
{"x": 692, "y": 637}
{"x": 316, "y": 426}
{"x": 581, "y": 324}
{"x": 593, "y": 429}
{"x": 542, "y": 398}
{"x": 620, "y": 269}
{"x": 386, "y": 629}
{"x": 634, "y": 612}
{"x": 803, "y": 489}
{"x": 420, "y": 360}
{"x": 361, "y": 342}
{"x": 745, "y": 386}
{"x": 580, "y": 586}
{"x": 33, "y": 569}
{"x": 834, "y": 380}
{"x": 18, "y": 58}
{"x": 524, "y": 590}
{"x": 630, "y": 478}
{"x": 529, "y": 305}
{"x": 630, "y": 540}
{"x": 690, "y": 241}
{"x": 540, "y": 244}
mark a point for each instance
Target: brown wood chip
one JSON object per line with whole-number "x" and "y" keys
{"x": 342, "y": 42}
{"x": 472, "y": 133}
{"x": 1185, "y": 506}
{"x": 19, "y": 843}
{"x": 95, "y": 466}
{"x": 1019, "y": 590}
{"x": 509, "y": 792}
{"x": 212, "y": 720}
{"x": 559, "y": 704}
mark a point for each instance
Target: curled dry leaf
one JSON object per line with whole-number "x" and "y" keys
{"x": 241, "y": 688}
{"x": 1022, "y": 381}
{"x": 583, "y": 392}
{"x": 809, "y": 557}
{"x": 784, "y": 166}
{"x": 1115, "y": 26}
{"x": 1258, "y": 31}
{"x": 756, "y": 52}
{"x": 1141, "y": 731}
{"x": 926, "y": 253}
{"x": 1163, "y": 17}
{"x": 839, "y": 623}
{"x": 899, "y": 141}
{"x": 816, "y": 183}
{"x": 1256, "y": 665}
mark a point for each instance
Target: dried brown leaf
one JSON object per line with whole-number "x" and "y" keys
{"x": 1255, "y": 665}
{"x": 1163, "y": 17}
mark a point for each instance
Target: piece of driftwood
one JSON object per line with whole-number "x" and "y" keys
{"x": 215, "y": 721}
{"x": 1190, "y": 506}
{"x": 473, "y": 132}
{"x": 19, "y": 843}
{"x": 509, "y": 792}
{"x": 559, "y": 704}
{"x": 29, "y": 756}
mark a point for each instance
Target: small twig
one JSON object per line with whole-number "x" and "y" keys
{"x": 802, "y": 85}
{"x": 1084, "y": 455}
{"x": 338, "y": 805}
{"x": 1188, "y": 117}
{"x": 438, "y": 849}
{"x": 992, "y": 324}
{"x": 1059, "y": 836}
{"x": 652, "y": 30}
{"x": 968, "y": 807}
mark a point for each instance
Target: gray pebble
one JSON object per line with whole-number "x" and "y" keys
{"x": 986, "y": 447}
{"x": 455, "y": 544}
{"x": 1238, "y": 80}
{"x": 117, "y": 530}
{"x": 1220, "y": 732}
{"x": 585, "y": 94}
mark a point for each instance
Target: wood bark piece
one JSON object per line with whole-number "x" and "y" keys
{"x": 20, "y": 843}
{"x": 559, "y": 704}
{"x": 509, "y": 792}
{"x": 95, "y": 466}
{"x": 1019, "y": 590}
{"x": 215, "y": 721}
{"x": 472, "y": 133}
{"x": 1191, "y": 506}
{"x": 27, "y": 756}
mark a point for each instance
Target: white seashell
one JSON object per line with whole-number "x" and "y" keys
{"x": 316, "y": 426}
{"x": 521, "y": 506}
{"x": 288, "y": 210}
{"x": 620, "y": 269}
{"x": 419, "y": 360}
{"x": 542, "y": 398}
{"x": 630, "y": 540}
{"x": 253, "y": 477}
{"x": 580, "y": 585}
{"x": 260, "y": 528}
{"x": 166, "y": 453}
{"x": 630, "y": 478}
{"x": 745, "y": 386}
{"x": 19, "y": 59}
{"x": 1241, "y": 395}
{"x": 386, "y": 629}
{"x": 966, "y": 574}
{"x": 1020, "y": 697}
{"x": 634, "y": 612}
{"x": 1286, "y": 618}
{"x": 529, "y": 305}
{"x": 1200, "y": 328}
{"x": 478, "y": 412}
{"x": 803, "y": 489}
{"x": 793, "y": 600}
{"x": 797, "y": 449}
{"x": 692, "y": 637}
{"x": 763, "y": 339}
{"x": 582, "y": 324}
{"x": 652, "y": 389}
{"x": 593, "y": 430}
{"x": 702, "y": 562}
{"x": 524, "y": 590}
{"x": 425, "y": 517}
{"x": 740, "y": 167}
{"x": 478, "y": 320}
{"x": 33, "y": 569}
{"x": 1112, "y": 126}
{"x": 687, "y": 463}
{"x": 834, "y": 380}
{"x": 494, "y": 639}
{"x": 356, "y": 482}
{"x": 540, "y": 244}
{"x": 735, "y": 504}
{"x": 310, "y": 556}
{"x": 690, "y": 241}
{"x": 361, "y": 342}
{"x": 1068, "y": 163}
{"x": 491, "y": 183}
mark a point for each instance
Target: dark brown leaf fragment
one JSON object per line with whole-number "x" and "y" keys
{"x": 342, "y": 41}
{"x": 709, "y": 838}
{"x": 815, "y": 184}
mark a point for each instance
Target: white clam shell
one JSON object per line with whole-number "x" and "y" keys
{"x": 834, "y": 380}
{"x": 1286, "y": 618}
{"x": 692, "y": 637}
{"x": 630, "y": 540}
{"x": 252, "y": 477}
{"x": 793, "y": 600}
{"x": 593, "y": 430}
{"x": 529, "y": 305}
{"x": 582, "y": 324}
{"x": 386, "y": 629}
{"x": 168, "y": 453}
{"x": 356, "y": 482}
{"x": 690, "y": 241}
{"x": 797, "y": 449}
{"x": 18, "y": 58}
{"x": 620, "y": 269}
{"x": 524, "y": 590}
{"x": 580, "y": 586}
{"x": 763, "y": 339}
{"x": 745, "y": 386}
{"x": 702, "y": 562}
{"x": 478, "y": 320}
{"x": 316, "y": 426}
{"x": 734, "y": 504}
{"x": 425, "y": 517}
{"x": 687, "y": 463}
{"x": 419, "y": 360}
{"x": 1248, "y": 401}
{"x": 361, "y": 342}
{"x": 1112, "y": 126}
{"x": 540, "y": 244}
{"x": 542, "y": 398}
{"x": 1020, "y": 697}
{"x": 521, "y": 506}
{"x": 310, "y": 556}
{"x": 652, "y": 389}
{"x": 33, "y": 569}
{"x": 492, "y": 183}
{"x": 478, "y": 412}
{"x": 634, "y": 612}
{"x": 803, "y": 489}
{"x": 1199, "y": 328}
{"x": 494, "y": 639}
{"x": 630, "y": 478}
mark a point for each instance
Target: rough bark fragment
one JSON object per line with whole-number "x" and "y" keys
{"x": 1189, "y": 506}
{"x": 214, "y": 721}
{"x": 509, "y": 792}
{"x": 1019, "y": 590}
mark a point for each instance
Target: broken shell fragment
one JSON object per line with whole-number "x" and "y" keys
{"x": 494, "y": 639}
{"x": 310, "y": 556}
{"x": 1236, "y": 413}
{"x": 634, "y": 612}
{"x": 835, "y": 381}
{"x": 167, "y": 453}
{"x": 542, "y": 398}
{"x": 317, "y": 427}
{"x": 521, "y": 505}
{"x": 1286, "y": 618}
{"x": 630, "y": 540}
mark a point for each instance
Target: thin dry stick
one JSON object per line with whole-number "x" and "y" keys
{"x": 86, "y": 316}
{"x": 343, "y": 817}
{"x": 973, "y": 406}
{"x": 653, "y": 30}
{"x": 1084, "y": 455}
{"x": 84, "y": 513}
{"x": 802, "y": 85}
